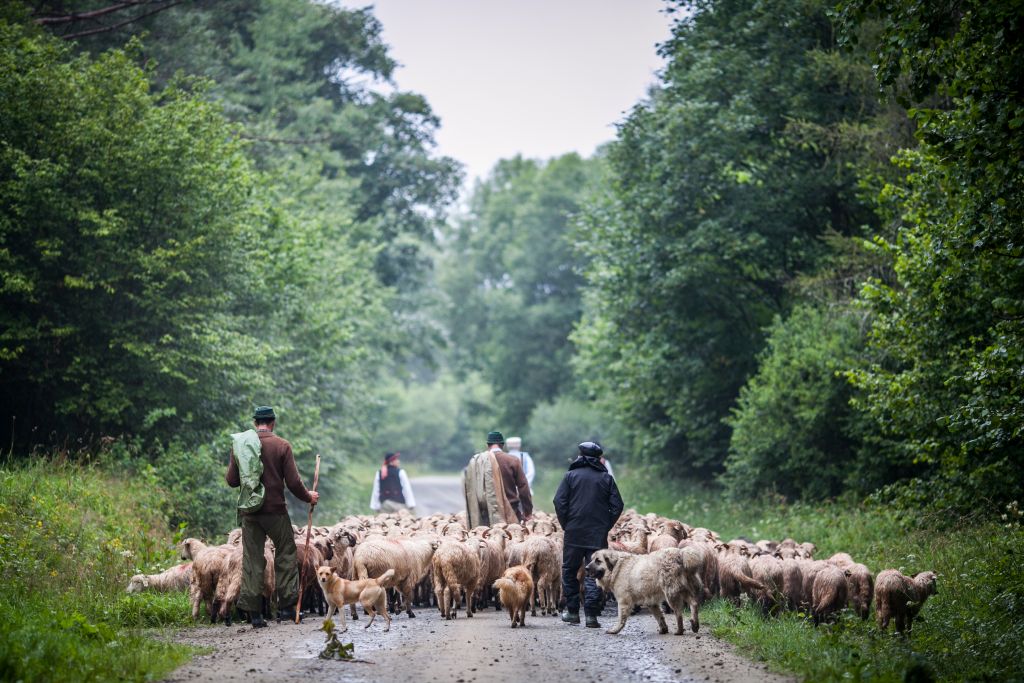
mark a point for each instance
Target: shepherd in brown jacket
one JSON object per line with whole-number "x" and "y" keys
{"x": 513, "y": 479}
{"x": 495, "y": 487}
{"x": 271, "y": 519}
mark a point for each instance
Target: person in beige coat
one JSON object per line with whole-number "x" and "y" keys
{"x": 486, "y": 500}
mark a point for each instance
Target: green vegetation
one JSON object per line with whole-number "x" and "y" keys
{"x": 70, "y": 538}
{"x": 970, "y": 630}
{"x": 794, "y": 276}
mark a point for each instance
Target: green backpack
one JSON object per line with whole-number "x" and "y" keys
{"x": 246, "y": 448}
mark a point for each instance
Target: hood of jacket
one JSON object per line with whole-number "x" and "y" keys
{"x": 587, "y": 461}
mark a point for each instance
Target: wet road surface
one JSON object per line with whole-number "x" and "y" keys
{"x": 466, "y": 650}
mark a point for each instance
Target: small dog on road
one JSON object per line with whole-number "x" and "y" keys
{"x": 515, "y": 588}
{"x": 370, "y": 593}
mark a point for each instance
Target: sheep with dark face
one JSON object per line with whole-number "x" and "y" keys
{"x": 900, "y": 598}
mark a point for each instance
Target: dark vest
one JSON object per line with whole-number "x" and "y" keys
{"x": 391, "y": 487}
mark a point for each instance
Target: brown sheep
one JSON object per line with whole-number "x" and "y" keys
{"x": 679, "y": 574}
{"x": 174, "y": 579}
{"x": 709, "y": 573}
{"x": 828, "y": 593}
{"x": 409, "y": 557}
{"x": 543, "y": 557}
{"x": 207, "y": 567}
{"x": 809, "y": 569}
{"x": 230, "y": 585}
{"x": 492, "y": 562}
{"x": 841, "y": 560}
{"x": 767, "y": 569}
{"x": 792, "y": 583}
{"x": 515, "y": 544}
{"x": 456, "y": 570}
{"x": 629, "y": 539}
{"x": 735, "y": 578}
{"x": 901, "y": 597}
{"x": 860, "y": 589}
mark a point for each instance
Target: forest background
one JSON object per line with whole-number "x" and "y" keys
{"x": 795, "y": 272}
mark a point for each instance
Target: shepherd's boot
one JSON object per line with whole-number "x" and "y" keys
{"x": 287, "y": 614}
{"x": 570, "y": 617}
{"x": 592, "y": 621}
{"x": 256, "y": 619}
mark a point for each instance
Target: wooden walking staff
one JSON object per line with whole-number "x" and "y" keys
{"x": 309, "y": 531}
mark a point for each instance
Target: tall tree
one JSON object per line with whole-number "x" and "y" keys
{"x": 123, "y": 219}
{"x": 950, "y": 331}
{"x": 513, "y": 280}
{"x": 723, "y": 182}
{"x": 310, "y": 84}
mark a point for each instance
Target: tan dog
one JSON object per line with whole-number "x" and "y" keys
{"x": 515, "y": 588}
{"x": 369, "y": 593}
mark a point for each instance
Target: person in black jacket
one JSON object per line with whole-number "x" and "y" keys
{"x": 587, "y": 504}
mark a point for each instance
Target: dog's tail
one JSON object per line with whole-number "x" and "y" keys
{"x": 385, "y": 578}
{"x": 504, "y": 583}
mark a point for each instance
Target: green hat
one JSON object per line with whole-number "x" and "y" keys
{"x": 495, "y": 437}
{"x": 264, "y": 413}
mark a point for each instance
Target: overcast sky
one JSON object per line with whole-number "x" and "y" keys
{"x": 534, "y": 77}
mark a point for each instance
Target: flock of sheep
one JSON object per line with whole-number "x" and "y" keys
{"x": 438, "y": 560}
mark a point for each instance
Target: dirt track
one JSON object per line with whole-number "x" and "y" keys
{"x": 482, "y": 648}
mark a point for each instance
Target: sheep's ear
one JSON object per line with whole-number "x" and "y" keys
{"x": 145, "y": 582}
{"x": 486, "y": 533}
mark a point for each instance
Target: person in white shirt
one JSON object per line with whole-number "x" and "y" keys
{"x": 514, "y": 444}
{"x": 391, "y": 489}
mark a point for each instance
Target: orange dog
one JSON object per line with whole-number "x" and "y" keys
{"x": 369, "y": 593}
{"x": 515, "y": 587}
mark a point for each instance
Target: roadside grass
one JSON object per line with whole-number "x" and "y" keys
{"x": 70, "y": 538}
{"x": 973, "y": 629}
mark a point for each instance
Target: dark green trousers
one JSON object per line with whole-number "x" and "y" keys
{"x": 256, "y": 528}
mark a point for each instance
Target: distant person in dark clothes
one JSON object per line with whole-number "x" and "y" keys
{"x": 271, "y": 519}
{"x": 391, "y": 489}
{"x": 587, "y": 504}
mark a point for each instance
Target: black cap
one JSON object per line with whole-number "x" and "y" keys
{"x": 264, "y": 413}
{"x": 495, "y": 437}
{"x": 591, "y": 448}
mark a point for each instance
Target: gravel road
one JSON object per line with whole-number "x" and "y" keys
{"x": 483, "y": 648}
{"x": 437, "y": 494}
{"x": 465, "y": 650}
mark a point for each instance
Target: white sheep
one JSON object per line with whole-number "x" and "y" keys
{"x": 175, "y": 578}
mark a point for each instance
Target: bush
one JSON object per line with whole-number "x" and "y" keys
{"x": 794, "y": 431}
{"x": 70, "y": 538}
